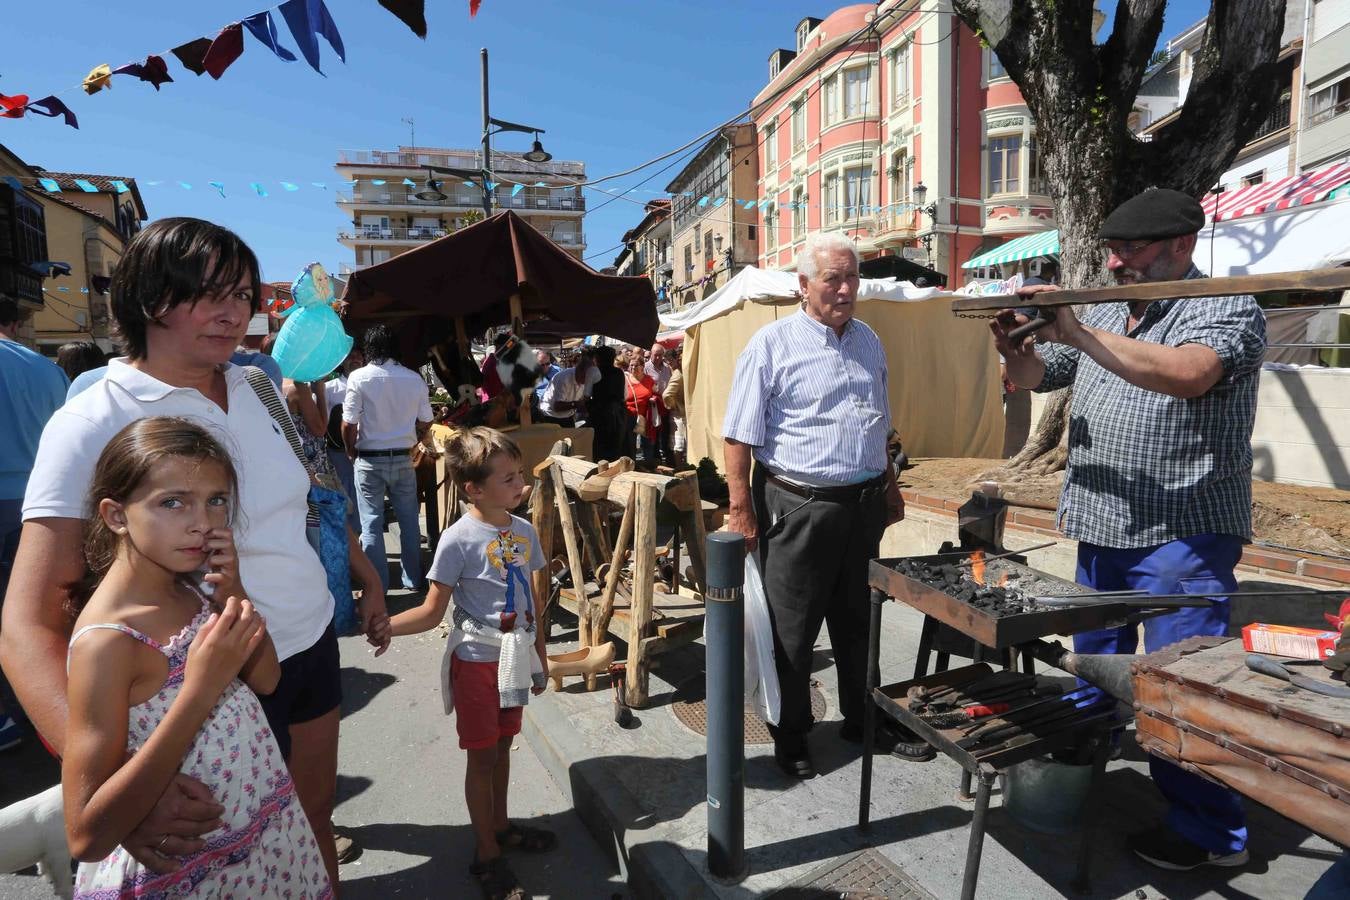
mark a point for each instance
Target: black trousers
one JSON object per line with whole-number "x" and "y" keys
{"x": 814, "y": 558}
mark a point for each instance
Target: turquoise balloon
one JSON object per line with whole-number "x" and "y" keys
{"x": 312, "y": 342}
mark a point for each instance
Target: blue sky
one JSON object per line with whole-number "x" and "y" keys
{"x": 613, "y": 83}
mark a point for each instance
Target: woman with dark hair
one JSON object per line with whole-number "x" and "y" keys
{"x": 182, "y": 297}
{"x": 605, "y": 410}
{"x": 79, "y": 357}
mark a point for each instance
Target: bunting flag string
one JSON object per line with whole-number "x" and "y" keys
{"x": 307, "y": 20}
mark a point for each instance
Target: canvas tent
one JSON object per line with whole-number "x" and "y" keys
{"x": 473, "y": 273}
{"x": 945, "y": 390}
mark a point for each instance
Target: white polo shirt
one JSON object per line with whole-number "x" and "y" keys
{"x": 385, "y": 401}
{"x": 279, "y": 569}
{"x": 563, "y": 388}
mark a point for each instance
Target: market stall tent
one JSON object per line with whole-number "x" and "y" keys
{"x": 945, "y": 388}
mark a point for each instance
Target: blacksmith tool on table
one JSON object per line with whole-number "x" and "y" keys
{"x": 1267, "y": 666}
{"x": 1064, "y": 714}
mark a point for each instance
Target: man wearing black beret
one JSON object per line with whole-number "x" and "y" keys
{"x": 1158, "y": 486}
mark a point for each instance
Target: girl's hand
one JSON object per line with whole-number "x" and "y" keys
{"x": 222, "y": 646}
{"x": 374, "y": 618}
{"x": 222, "y": 564}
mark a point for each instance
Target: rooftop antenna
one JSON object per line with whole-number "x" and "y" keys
{"x": 412, "y": 131}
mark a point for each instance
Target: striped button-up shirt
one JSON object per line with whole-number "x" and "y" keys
{"x": 1146, "y": 468}
{"x": 812, "y": 404}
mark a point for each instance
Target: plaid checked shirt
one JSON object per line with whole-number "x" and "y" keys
{"x": 1146, "y": 468}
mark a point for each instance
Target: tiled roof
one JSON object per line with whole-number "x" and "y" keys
{"x": 102, "y": 182}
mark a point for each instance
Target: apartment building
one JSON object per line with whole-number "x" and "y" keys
{"x": 713, "y": 233}
{"x": 647, "y": 250}
{"x": 1308, "y": 129}
{"x": 74, "y": 226}
{"x": 893, "y": 125}
{"x": 387, "y": 218}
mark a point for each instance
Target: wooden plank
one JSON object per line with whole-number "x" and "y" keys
{"x": 564, "y": 508}
{"x": 1333, "y": 279}
{"x": 621, "y": 486}
{"x": 644, "y": 580}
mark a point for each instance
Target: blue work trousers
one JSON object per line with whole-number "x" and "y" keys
{"x": 394, "y": 475}
{"x": 1202, "y": 812}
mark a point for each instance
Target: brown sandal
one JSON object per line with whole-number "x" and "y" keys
{"x": 497, "y": 880}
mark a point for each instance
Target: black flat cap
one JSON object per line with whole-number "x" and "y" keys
{"x": 1152, "y": 215}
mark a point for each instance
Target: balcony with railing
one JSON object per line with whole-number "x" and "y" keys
{"x": 369, "y": 233}
{"x": 466, "y": 199}
{"x": 415, "y": 158}
{"x": 1277, "y": 120}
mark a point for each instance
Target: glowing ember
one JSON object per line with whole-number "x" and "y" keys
{"x": 977, "y": 566}
{"x": 1003, "y": 582}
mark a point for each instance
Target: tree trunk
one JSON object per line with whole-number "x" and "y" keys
{"x": 1080, "y": 95}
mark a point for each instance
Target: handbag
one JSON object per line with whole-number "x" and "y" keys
{"x": 327, "y": 502}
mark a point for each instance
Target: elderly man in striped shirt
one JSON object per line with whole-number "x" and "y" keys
{"x": 809, "y": 408}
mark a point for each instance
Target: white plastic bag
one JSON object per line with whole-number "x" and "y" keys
{"x": 761, "y": 678}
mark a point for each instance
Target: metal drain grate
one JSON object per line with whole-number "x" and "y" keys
{"x": 691, "y": 711}
{"x": 863, "y": 876}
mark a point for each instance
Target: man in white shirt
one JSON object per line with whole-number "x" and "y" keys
{"x": 385, "y": 412}
{"x": 334, "y": 393}
{"x": 566, "y": 394}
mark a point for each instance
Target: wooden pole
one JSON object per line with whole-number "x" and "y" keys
{"x": 695, "y": 534}
{"x": 1334, "y": 279}
{"x": 588, "y": 523}
{"x": 542, "y": 517}
{"x": 644, "y": 584}
{"x": 600, "y": 630}
{"x": 461, "y": 338}
{"x": 569, "y": 530}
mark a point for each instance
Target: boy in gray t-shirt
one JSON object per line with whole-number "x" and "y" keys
{"x": 488, "y": 570}
{"x": 484, "y": 561}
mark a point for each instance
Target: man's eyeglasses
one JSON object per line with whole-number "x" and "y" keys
{"x": 1126, "y": 250}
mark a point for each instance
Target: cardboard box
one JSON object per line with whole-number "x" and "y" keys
{"x": 1285, "y": 640}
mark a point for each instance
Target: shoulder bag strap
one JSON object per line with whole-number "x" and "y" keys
{"x": 276, "y": 408}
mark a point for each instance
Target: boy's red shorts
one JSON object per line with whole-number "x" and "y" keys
{"x": 479, "y": 718}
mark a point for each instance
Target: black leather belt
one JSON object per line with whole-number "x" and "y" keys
{"x": 848, "y": 493}
{"x": 368, "y": 454}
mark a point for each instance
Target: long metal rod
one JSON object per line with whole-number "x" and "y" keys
{"x": 487, "y": 139}
{"x": 1106, "y": 596}
{"x": 1008, "y": 553}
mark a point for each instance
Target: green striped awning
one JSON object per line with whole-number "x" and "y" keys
{"x": 1042, "y": 243}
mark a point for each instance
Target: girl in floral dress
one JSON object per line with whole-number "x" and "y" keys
{"x": 162, "y": 682}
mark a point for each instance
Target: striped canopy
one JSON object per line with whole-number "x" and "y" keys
{"x": 1041, "y": 243}
{"x": 1283, "y": 193}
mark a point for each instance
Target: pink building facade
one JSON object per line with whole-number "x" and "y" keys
{"x": 875, "y": 102}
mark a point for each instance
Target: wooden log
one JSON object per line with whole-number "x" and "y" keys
{"x": 542, "y": 516}
{"x": 644, "y": 583}
{"x": 669, "y": 489}
{"x": 569, "y": 530}
{"x": 606, "y": 610}
{"x": 1333, "y": 279}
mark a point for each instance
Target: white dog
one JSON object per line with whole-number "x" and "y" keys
{"x": 34, "y": 831}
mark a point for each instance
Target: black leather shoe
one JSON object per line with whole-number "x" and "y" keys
{"x": 891, "y": 738}
{"x": 794, "y": 761}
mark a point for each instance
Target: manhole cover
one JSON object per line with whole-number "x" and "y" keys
{"x": 691, "y": 711}
{"x": 864, "y": 876}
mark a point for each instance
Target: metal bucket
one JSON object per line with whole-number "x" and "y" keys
{"x": 1047, "y": 796}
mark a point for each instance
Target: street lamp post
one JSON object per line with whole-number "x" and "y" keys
{"x": 536, "y": 153}
{"x": 921, "y": 194}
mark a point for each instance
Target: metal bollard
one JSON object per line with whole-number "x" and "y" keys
{"x": 724, "y": 633}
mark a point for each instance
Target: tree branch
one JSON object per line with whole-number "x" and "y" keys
{"x": 1237, "y": 59}
{"x": 1125, "y": 54}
